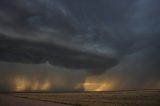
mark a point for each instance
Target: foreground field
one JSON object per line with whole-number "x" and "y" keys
{"x": 121, "y": 98}
{"x": 7, "y": 100}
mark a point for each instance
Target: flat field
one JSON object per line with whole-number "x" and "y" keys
{"x": 117, "y": 98}
{"x": 8, "y": 100}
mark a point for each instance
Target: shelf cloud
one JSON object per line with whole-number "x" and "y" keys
{"x": 94, "y": 37}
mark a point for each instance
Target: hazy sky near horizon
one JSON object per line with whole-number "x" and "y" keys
{"x": 63, "y": 44}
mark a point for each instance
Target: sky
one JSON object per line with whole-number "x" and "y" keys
{"x": 79, "y": 45}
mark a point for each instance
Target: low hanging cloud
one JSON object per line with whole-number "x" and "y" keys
{"x": 136, "y": 71}
{"x": 39, "y": 31}
{"x": 93, "y": 38}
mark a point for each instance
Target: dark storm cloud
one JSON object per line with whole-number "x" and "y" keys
{"x": 77, "y": 34}
{"x": 140, "y": 68}
{"x": 39, "y": 31}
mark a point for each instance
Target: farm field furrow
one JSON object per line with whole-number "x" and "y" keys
{"x": 121, "y": 98}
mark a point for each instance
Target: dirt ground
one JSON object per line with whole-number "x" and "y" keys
{"x": 110, "y": 98}
{"x": 6, "y": 100}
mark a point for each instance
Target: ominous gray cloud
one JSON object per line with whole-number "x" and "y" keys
{"x": 39, "y": 31}
{"x": 83, "y": 35}
{"x": 136, "y": 71}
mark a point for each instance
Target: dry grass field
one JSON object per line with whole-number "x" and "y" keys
{"x": 118, "y": 98}
{"x": 8, "y": 100}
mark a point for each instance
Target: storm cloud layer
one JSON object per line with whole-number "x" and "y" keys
{"x": 93, "y": 36}
{"x": 40, "y": 31}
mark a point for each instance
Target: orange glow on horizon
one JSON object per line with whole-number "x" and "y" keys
{"x": 23, "y": 84}
{"x": 45, "y": 86}
{"x": 91, "y": 85}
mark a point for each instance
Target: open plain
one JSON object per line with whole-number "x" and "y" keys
{"x": 114, "y": 98}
